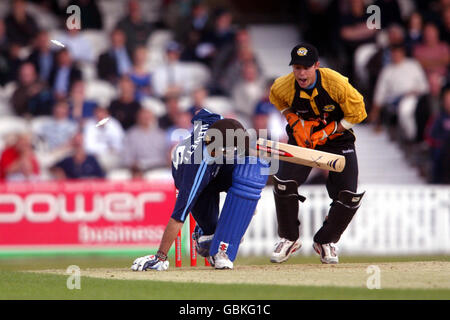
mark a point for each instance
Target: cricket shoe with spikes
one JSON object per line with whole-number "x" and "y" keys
{"x": 283, "y": 250}
{"x": 327, "y": 252}
{"x": 220, "y": 261}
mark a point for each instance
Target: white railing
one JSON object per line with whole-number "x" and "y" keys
{"x": 393, "y": 219}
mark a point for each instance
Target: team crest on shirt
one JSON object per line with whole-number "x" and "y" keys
{"x": 328, "y": 108}
{"x": 302, "y": 51}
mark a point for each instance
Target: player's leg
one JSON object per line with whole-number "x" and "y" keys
{"x": 237, "y": 212}
{"x": 341, "y": 188}
{"x": 286, "y": 182}
{"x": 206, "y": 210}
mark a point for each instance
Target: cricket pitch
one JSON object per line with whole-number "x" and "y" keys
{"x": 398, "y": 275}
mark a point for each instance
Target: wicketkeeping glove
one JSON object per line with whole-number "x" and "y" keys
{"x": 154, "y": 262}
{"x": 321, "y": 136}
{"x": 302, "y": 129}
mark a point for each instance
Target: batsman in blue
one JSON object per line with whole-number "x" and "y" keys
{"x": 215, "y": 158}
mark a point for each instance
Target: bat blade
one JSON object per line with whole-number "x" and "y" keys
{"x": 304, "y": 156}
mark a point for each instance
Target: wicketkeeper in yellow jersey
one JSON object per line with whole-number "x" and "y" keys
{"x": 321, "y": 108}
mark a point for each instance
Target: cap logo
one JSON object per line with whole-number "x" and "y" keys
{"x": 302, "y": 51}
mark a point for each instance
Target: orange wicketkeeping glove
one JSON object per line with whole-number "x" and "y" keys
{"x": 302, "y": 129}
{"x": 321, "y": 136}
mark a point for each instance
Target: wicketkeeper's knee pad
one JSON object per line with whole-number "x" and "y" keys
{"x": 339, "y": 217}
{"x": 239, "y": 206}
{"x": 286, "y": 202}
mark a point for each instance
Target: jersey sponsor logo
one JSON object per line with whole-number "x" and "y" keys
{"x": 329, "y": 108}
{"x": 348, "y": 151}
{"x": 302, "y": 51}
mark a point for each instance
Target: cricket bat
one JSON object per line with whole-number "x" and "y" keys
{"x": 299, "y": 155}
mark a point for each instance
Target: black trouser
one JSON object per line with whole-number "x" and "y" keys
{"x": 288, "y": 222}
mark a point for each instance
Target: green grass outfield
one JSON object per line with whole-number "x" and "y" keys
{"x": 17, "y": 284}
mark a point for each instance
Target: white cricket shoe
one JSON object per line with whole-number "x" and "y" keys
{"x": 221, "y": 261}
{"x": 327, "y": 252}
{"x": 283, "y": 250}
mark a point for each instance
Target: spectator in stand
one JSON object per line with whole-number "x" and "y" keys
{"x": 145, "y": 145}
{"x": 79, "y": 165}
{"x": 3, "y": 37}
{"x": 247, "y": 92}
{"x": 106, "y": 141}
{"x": 172, "y": 74}
{"x": 382, "y": 57}
{"x": 432, "y": 53}
{"x": 199, "y": 96}
{"x": 414, "y": 32}
{"x": 180, "y": 130}
{"x": 125, "y": 107}
{"x": 115, "y": 62}
{"x": 393, "y": 87}
{"x": 91, "y": 17}
{"x": 233, "y": 72}
{"x": 445, "y": 27}
{"x": 21, "y": 28}
{"x": 80, "y": 109}
{"x": 354, "y": 32}
{"x": 227, "y": 64}
{"x": 172, "y": 104}
{"x": 63, "y": 74}
{"x": 58, "y": 131}
{"x": 217, "y": 37}
{"x": 198, "y": 21}
{"x": 137, "y": 30}
{"x": 42, "y": 56}
{"x": 189, "y": 30}
{"x": 439, "y": 140}
{"x": 10, "y": 61}
{"x": 18, "y": 161}
{"x": 32, "y": 97}
{"x": 390, "y": 12}
{"x": 266, "y": 117}
{"x": 78, "y": 44}
{"x": 139, "y": 73}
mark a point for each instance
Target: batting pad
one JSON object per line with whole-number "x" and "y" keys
{"x": 240, "y": 204}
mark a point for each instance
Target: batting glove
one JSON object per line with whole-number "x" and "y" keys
{"x": 157, "y": 262}
{"x": 202, "y": 242}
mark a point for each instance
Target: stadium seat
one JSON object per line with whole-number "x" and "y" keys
{"x": 362, "y": 56}
{"x": 88, "y": 70}
{"x": 99, "y": 41}
{"x": 154, "y": 105}
{"x": 218, "y": 104}
{"x": 118, "y": 174}
{"x": 100, "y": 91}
{"x": 199, "y": 74}
{"x": 10, "y": 125}
{"x": 161, "y": 174}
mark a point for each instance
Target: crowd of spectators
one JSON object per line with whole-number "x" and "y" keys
{"x": 50, "y": 86}
{"x": 402, "y": 69}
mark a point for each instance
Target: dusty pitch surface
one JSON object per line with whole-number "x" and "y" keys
{"x": 429, "y": 275}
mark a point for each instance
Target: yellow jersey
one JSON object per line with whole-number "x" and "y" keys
{"x": 333, "y": 98}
